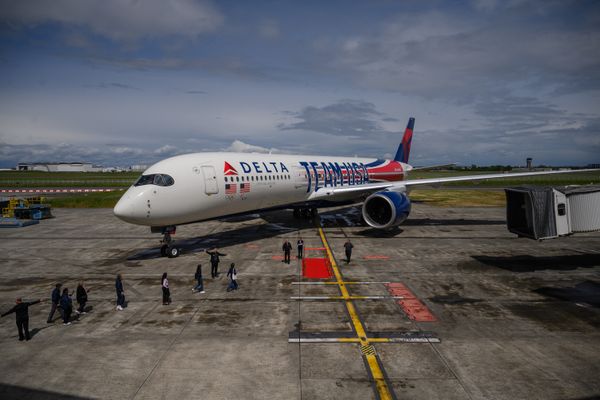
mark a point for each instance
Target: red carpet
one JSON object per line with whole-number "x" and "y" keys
{"x": 316, "y": 268}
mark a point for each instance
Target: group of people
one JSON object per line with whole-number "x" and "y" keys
{"x": 63, "y": 301}
{"x": 199, "y": 287}
{"x": 214, "y": 270}
{"x": 287, "y": 250}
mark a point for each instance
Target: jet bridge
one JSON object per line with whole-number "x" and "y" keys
{"x": 547, "y": 213}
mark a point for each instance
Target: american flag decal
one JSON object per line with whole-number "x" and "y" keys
{"x": 230, "y": 188}
{"x": 244, "y": 187}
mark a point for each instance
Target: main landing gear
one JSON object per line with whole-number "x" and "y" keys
{"x": 305, "y": 212}
{"x": 168, "y": 248}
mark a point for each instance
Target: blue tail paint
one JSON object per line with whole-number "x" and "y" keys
{"x": 404, "y": 148}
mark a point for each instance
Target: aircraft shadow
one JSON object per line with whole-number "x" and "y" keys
{"x": 527, "y": 263}
{"x": 283, "y": 221}
{"x": 381, "y": 233}
{"x": 451, "y": 222}
{"x": 247, "y": 234}
{"x": 584, "y": 292}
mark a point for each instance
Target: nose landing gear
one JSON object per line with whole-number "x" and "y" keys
{"x": 168, "y": 248}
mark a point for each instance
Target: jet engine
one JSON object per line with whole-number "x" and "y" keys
{"x": 385, "y": 209}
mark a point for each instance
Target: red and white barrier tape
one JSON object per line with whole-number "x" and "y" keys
{"x": 57, "y": 190}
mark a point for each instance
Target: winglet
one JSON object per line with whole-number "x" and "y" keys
{"x": 404, "y": 148}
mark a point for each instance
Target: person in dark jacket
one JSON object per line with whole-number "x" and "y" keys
{"x": 214, "y": 261}
{"x": 348, "y": 248}
{"x": 300, "y": 245}
{"x": 21, "y": 310}
{"x": 232, "y": 274}
{"x": 198, "y": 276}
{"x": 120, "y": 293}
{"x": 81, "y": 298}
{"x": 67, "y": 305}
{"x": 166, "y": 293}
{"x": 287, "y": 249}
{"x": 55, "y": 300}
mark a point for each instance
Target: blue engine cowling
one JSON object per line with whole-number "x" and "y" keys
{"x": 386, "y": 209}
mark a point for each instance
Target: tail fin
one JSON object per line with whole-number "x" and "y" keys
{"x": 404, "y": 148}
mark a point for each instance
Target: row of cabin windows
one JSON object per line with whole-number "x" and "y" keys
{"x": 258, "y": 178}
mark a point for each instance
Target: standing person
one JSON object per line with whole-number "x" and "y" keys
{"x": 214, "y": 261}
{"x": 21, "y": 310}
{"x": 198, "y": 276}
{"x": 165, "y": 290}
{"x": 67, "y": 305}
{"x": 81, "y": 298}
{"x": 232, "y": 274}
{"x": 300, "y": 245}
{"x": 120, "y": 293}
{"x": 287, "y": 249}
{"x": 348, "y": 246}
{"x": 55, "y": 300}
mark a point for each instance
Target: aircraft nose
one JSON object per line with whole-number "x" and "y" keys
{"x": 127, "y": 210}
{"x": 124, "y": 208}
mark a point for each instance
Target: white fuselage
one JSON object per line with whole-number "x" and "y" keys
{"x": 211, "y": 185}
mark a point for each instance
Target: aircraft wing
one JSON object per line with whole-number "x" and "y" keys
{"x": 360, "y": 190}
{"x": 429, "y": 167}
{"x": 429, "y": 181}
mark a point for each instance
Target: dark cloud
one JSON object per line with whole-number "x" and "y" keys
{"x": 346, "y": 117}
{"x": 118, "y": 20}
{"x": 457, "y": 56}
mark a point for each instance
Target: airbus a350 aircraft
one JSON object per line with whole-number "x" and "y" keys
{"x": 202, "y": 186}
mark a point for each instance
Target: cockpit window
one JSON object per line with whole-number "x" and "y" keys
{"x": 155, "y": 179}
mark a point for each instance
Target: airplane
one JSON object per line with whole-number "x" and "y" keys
{"x": 204, "y": 186}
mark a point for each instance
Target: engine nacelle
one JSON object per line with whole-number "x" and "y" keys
{"x": 386, "y": 209}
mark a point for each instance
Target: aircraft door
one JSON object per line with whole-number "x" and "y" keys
{"x": 210, "y": 179}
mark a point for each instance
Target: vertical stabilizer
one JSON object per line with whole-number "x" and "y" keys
{"x": 404, "y": 148}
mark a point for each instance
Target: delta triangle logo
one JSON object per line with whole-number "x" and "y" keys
{"x": 229, "y": 170}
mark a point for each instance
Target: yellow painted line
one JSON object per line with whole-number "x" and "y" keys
{"x": 376, "y": 372}
{"x": 346, "y": 298}
{"x": 336, "y": 283}
{"x": 357, "y": 340}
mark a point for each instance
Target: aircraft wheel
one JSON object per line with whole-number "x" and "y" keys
{"x": 172, "y": 252}
{"x": 296, "y": 213}
{"x": 163, "y": 250}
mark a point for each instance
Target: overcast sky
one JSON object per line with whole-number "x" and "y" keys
{"x": 121, "y": 82}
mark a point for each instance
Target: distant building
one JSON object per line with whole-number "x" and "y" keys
{"x": 139, "y": 167}
{"x": 529, "y": 160}
{"x": 59, "y": 167}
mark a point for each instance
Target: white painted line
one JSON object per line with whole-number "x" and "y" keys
{"x": 313, "y": 340}
{"x": 414, "y": 340}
